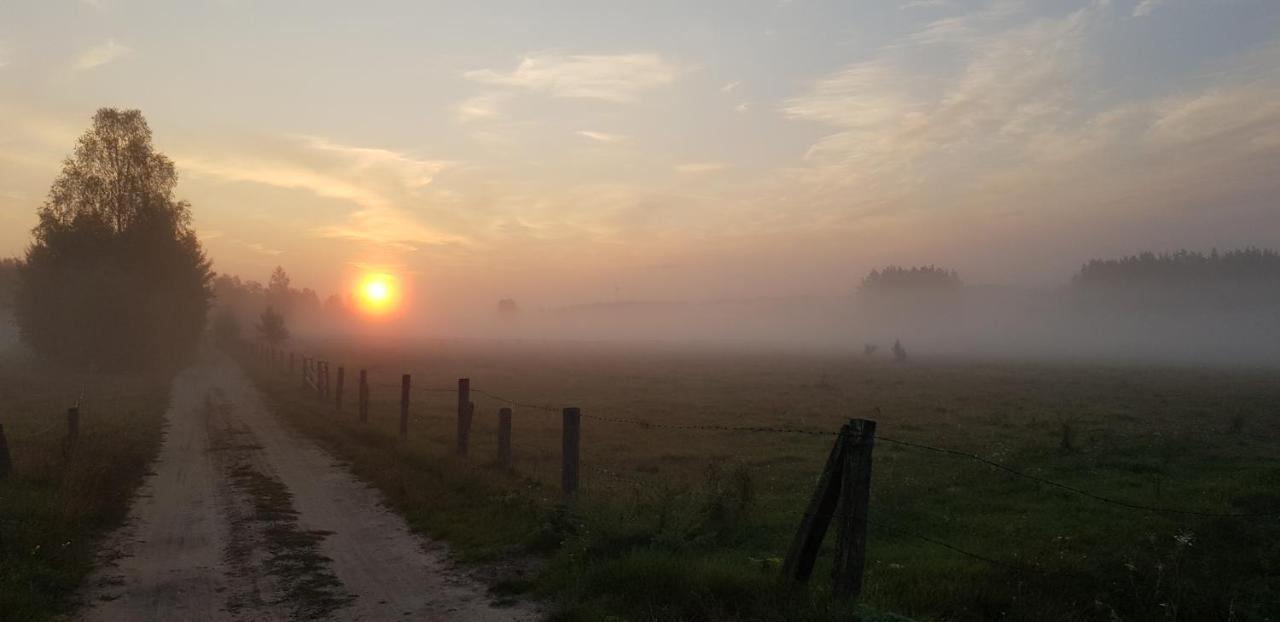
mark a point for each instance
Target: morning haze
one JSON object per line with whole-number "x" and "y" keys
{"x": 587, "y": 311}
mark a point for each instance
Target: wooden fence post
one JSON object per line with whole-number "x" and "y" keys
{"x": 337, "y": 393}
{"x": 306, "y": 364}
{"x": 464, "y": 419}
{"x": 73, "y": 423}
{"x": 291, "y": 363}
{"x": 504, "y": 439}
{"x": 6, "y": 464}
{"x": 464, "y": 428}
{"x": 571, "y": 437}
{"x": 364, "y": 395}
{"x": 855, "y": 490}
{"x": 324, "y": 386}
{"x": 843, "y": 491}
{"x": 404, "y": 407}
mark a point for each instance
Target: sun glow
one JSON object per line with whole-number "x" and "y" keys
{"x": 376, "y": 294}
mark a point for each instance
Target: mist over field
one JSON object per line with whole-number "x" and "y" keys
{"x": 582, "y": 311}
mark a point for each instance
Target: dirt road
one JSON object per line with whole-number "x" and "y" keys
{"x": 245, "y": 520}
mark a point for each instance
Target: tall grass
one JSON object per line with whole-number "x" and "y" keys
{"x": 678, "y": 524}
{"x": 62, "y": 496}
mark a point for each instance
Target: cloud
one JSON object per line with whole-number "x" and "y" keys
{"x": 1022, "y": 124}
{"x": 100, "y": 55}
{"x": 894, "y": 126}
{"x": 730, "y": 86}
{"x": 617, "y": 78}
{"x": 926, "y": 4}
{"x": 603, "y": 137}
{"x": 481, "y": 108}
{"x": 385, "y": 186}
{"x": 1147, "y": 7}
{"x": 701, "y": 167}
{"x": 743, "y": 107}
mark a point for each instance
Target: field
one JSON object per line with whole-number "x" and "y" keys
{"x": 690, "y": 524}
{"x": 62, "y": 495}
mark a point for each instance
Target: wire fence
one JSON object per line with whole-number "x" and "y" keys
{"x": 618, "y": 477}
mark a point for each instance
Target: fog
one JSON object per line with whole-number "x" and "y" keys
{"x": 981, "y": 322}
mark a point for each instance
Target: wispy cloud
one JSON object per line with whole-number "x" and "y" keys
{"x": 481, "y": 107}
{"x": 100, "y": 55}
{"x": 603, "y": 137}
{"x": 383, "y": 185}
{"x": 614, "y": 78}
{"x": 1021, "y": 114}
{"x": 729, "y": 87}
{"x": 926, "y": 4}
{"x": 1147, "y": 7}
{"x": 701, "y": 167}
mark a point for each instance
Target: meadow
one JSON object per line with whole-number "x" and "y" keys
{"x": 62, "y": 495}
{"x": 692, "y": 524}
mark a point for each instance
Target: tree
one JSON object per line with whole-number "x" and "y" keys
{"x": 8, "y": 282}
{"x": 271, "y": 327}
{"x": 895, "y": 279}
{"x": 115, "y": 276}
{"x": 278, "y": 292}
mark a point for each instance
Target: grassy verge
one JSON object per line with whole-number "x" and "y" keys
{"x": 61, "y": 496}
{"x": 683, "y": 525}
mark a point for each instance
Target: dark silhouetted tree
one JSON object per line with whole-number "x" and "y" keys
{"x": 115, "y": 276}
{"x": 271, "y": 327}
{"x": 8, "y": 282}
{"x": 899, "y": 352}
{"x": 508, "y": 307}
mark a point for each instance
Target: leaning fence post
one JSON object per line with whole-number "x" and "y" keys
{"x": 6, "y": 464}
{"x": 337, "y": 392}
{"x": 571, "y": 437}
{"x": 324, "y": 388}
{"x": 855, "y": 490}
{"x": 73, "y": 423}
{"x": 504, "y": 439}
{"x": 798, "y": 565}
{"x": 404, "y": 407}
{"x": 364, "y": 395}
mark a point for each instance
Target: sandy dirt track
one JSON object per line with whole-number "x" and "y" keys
{"x": 243, "y": 519}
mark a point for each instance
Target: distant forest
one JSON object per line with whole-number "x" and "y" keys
{"x": 1249, "y": 276}
{"x": 239, "y": 302}
{"x": 915, "y": 278}
{"x": 1251, "y": 264}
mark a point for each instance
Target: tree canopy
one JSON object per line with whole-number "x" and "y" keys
{"x": 115, "y": 276}
{"x": 893, "y": 279}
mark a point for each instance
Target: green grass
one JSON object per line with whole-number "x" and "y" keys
{"x": 678, "y": 524}
{"x": 61, "y": 497}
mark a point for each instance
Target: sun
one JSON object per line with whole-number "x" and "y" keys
{"x": 376, "y": 293}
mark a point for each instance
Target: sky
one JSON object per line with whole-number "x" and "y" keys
{"x": 570, "y": 152}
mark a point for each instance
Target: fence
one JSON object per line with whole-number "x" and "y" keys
{"x": 841, "y": 494}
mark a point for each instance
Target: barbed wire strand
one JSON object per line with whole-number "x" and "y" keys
{"x": 940, "y": 450}
{"x": 1073, "y": 489}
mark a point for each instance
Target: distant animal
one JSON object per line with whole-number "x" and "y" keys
{"x": 870, "y": 349}
{"x": 899, "y": 352}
